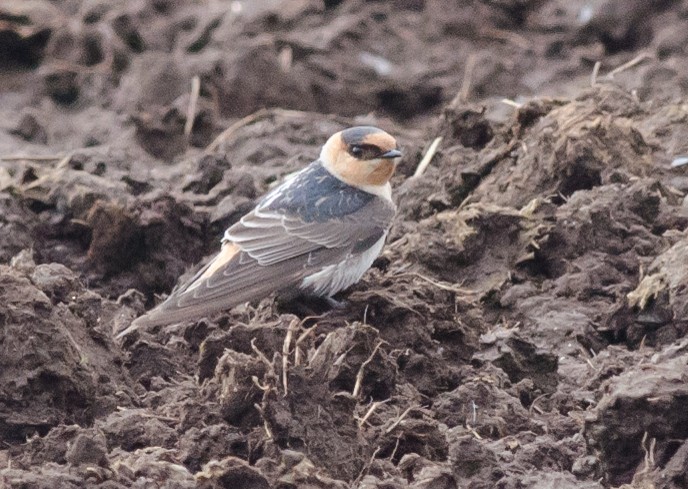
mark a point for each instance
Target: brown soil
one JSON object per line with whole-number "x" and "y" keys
{"x": 525, "y": 327}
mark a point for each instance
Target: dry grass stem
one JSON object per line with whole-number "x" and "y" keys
{"x": 595, "y": 72}
{"x": 267, "y": 429}
{"x": 427, "y": 158}
{"x": 193, "y": 102}
{"x": 465, "y": 90}
{"x": 366, "y": 467}
{"x": 285, "y": 58}
{"x": 510, "y": 37}
{"x": 512, "y": 103}
{"x": 261, "y": 355}
{"x": 370, "y": 412}
{"x": 150, "y": 415}
{"x": 361, "y": 371}
{"x": 628, "y": 65}
{"x": 399, "y": 419}
{"x": 30, "y": 158}
{"x": 532, "y": 404}
{"x": 224, "y": 135}
{"x": 473, "y": 432}
{"x": 439, "y": 284}
{"x": 301, "y": 339}
{"x": 649, "y": 452}
{"x": 293, "y": 326}
{"x": 396, "y": 447}
{"x": 249, "y": 119}
{"x": 262, "y": 387}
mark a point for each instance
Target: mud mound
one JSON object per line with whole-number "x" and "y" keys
{"x": 59, "y": 365}
{"x": 524, "y": 327}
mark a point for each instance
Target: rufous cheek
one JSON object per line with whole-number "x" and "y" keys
{"x": 351, "y": 170}
{"x": 382, "y": 173}
{"x": 364, "y": 173}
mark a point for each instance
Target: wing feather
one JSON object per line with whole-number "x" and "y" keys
{"x": 271, "y": 237}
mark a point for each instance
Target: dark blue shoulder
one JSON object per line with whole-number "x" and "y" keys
{"x": 314, "y": 194}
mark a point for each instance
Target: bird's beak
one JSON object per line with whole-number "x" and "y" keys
{"x": 392, "y": 153}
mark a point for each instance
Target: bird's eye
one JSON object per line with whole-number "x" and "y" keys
{"x": 356, "y": 151}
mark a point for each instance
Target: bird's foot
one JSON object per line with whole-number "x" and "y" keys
{"x": 336, "y": 304}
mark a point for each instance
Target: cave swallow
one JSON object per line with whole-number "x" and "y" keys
{"x": 315, "y": 234}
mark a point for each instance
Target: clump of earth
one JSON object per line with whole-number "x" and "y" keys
{"x": 525, "y": 325}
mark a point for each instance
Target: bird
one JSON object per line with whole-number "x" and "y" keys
{"x": 315, "y": 234}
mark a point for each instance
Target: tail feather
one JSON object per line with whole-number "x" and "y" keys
{"x": 227, "y": 282}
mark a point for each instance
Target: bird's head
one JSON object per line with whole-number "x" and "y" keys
{"x": 361, "y": 156}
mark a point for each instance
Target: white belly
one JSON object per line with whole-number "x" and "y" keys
{"x": 334, "y": 278}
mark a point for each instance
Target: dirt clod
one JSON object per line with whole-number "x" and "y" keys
{"x": 525, "y": 325}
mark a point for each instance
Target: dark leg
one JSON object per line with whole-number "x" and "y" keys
{"x": 308, "y": 305}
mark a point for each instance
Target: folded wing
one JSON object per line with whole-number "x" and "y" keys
{"x": 270, "y": 250}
